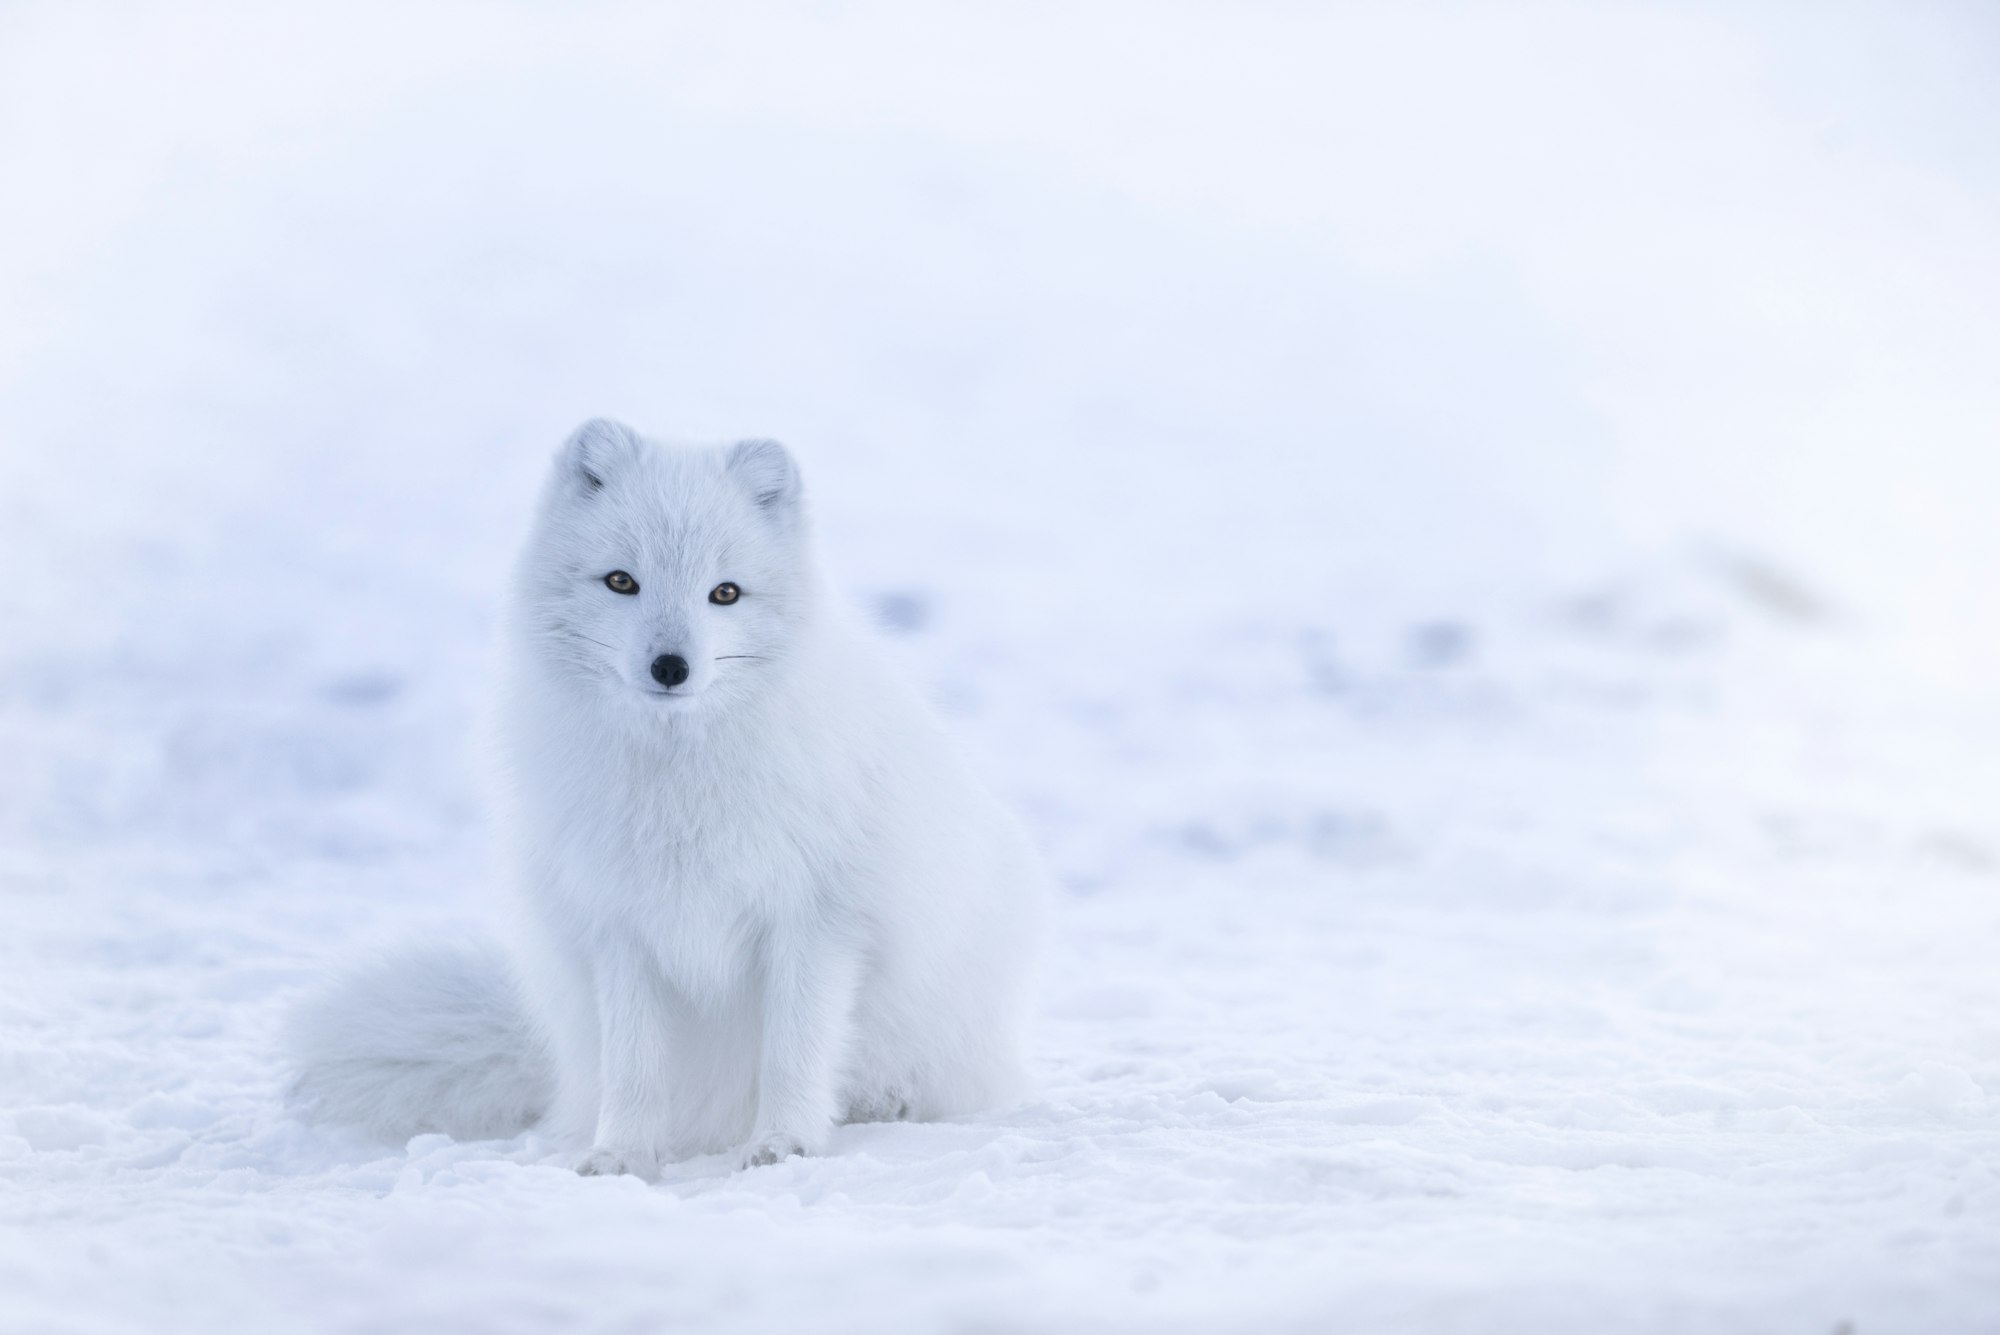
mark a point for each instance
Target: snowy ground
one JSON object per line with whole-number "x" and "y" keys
{"x": 1468, "y": 533}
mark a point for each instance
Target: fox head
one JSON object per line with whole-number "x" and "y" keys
{"x": 675, "y": 577}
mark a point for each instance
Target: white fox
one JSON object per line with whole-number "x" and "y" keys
{"x": 760, "y": 895}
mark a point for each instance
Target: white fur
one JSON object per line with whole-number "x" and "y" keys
{"x": 428, "y": 1038}
{"x": 753, "y": 905}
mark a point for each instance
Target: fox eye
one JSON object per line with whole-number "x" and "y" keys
{"x": 723, "y": 594}
{"x": 620, "y": 582}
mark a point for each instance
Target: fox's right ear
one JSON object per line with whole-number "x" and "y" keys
{"x": 766, "y": 468}
{"x": 595, "y": 451}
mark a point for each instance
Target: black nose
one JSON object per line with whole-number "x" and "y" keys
{"x": 670, "y": 669}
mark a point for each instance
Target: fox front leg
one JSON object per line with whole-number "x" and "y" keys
{"x": 810, "y": 980}
{"x": 633, "y": 1072}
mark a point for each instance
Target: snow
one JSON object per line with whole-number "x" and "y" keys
{"x": 1466, "y": 532}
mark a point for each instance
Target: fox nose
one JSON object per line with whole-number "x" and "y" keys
{"x": 670, "y": 669}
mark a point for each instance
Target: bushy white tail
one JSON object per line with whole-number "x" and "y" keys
{"x": 429, "y": 1038}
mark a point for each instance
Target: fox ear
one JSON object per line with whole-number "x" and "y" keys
{"x": 595, "y": 451}
{"x": 766, "y": 469}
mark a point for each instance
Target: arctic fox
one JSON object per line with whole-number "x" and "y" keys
{"x": 758, "y": 893}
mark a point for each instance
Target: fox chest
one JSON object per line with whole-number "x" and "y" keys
{"x": 702, "y": 883}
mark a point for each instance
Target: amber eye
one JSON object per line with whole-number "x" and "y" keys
{"x": 620, "y": 582}
{"x": 723, "y": 594}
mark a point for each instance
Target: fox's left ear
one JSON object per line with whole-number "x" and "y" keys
{"x": 766, "y": 469}
{"x": 598, "y": 449}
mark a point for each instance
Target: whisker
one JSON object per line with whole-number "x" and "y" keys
{"x": 759, "y": 657}
{"x": 569, "y": 634}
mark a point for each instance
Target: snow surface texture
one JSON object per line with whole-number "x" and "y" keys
{"x": 1467, "y": 532}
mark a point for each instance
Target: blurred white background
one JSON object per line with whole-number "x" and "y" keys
{"x": 1424, "y": 299}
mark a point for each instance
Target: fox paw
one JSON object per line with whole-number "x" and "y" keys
{"x": 774, "y": 1148}
{"x": 604, "y": 1162}
{"x": 883, "y": 1107}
